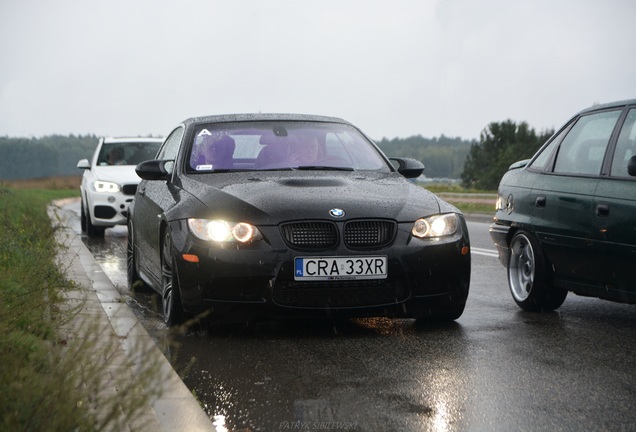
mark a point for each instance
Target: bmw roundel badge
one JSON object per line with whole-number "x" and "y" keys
{"x": 337, "y": 213}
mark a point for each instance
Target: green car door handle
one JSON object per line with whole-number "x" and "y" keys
{"x": 602, "y": 210}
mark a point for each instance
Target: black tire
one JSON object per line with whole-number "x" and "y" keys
{"x": 530, "y": 277}
{"x": 92, "y": 230}
{"x": 82, "y": 217}
{"x": 445, "y": 317}
{"x": 170, "y": 296}
{"x": 132, "y": 266}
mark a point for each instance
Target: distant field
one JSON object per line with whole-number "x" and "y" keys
{"x": 468, "y": 201}
{"x": 52, "y": 183}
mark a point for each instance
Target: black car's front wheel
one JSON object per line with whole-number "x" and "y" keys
{"x": 82, "y": 216}
{"x": 134, "y": 281}
{"x": 447, "y": 316}
{"x": 529, "y": 276}
{"x": 170, "y": 296}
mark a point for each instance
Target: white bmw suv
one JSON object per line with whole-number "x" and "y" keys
{"x": 109, "y": 181}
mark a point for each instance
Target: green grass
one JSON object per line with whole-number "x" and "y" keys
{"x": 466, "y": 200}
{"x": 475, "y": 207}
{"x": 30, "y": 289}
{"x": 51, "y": 373}
{"x": 454, "y": 188}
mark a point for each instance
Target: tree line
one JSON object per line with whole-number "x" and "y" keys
{"x": 500, "y": 145}
{"x": 479, "y": 164}
{"x": 443, "y": 157}
{"x": 49, "y": 156}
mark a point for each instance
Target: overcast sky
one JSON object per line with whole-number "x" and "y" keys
{"x": 394, "y": 68}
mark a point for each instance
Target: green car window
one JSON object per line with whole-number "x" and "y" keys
{"x": 583, "y": 149}
{"x": 544, "y": 154}
{"x": 625, "y": 146}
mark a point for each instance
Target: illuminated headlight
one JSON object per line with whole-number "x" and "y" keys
{"x": 435, "y": 226}
{"x": 223, "y": 231}
{"x": 499, "y": 203}
{"x": 106, "y": 187}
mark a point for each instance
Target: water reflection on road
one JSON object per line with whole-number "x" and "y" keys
{"x": 345, "y": 371}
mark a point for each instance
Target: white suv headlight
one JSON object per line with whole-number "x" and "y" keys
{"x": 105, "y": 187}
{"x": 435, "y": 226}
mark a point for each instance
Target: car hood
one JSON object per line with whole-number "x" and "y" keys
{"x": 121, "y": 174}
{"x": 264, "y": 198}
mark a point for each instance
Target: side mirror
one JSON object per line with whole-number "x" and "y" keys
{"x": 84, "y": 164}
{"x": 631, "y": 166}
{"x": 155, "y": 169}
{"x": 519, "y": 164}
{"x": 409, "y": 168}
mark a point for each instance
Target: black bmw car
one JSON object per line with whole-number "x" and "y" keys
{"x": 270, "y": 215}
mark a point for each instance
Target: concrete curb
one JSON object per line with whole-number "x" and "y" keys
{"x": 176, "y": 409}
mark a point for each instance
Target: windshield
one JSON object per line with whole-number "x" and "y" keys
{"x": 282, "y": 145}
{"x": 127, "y": 153}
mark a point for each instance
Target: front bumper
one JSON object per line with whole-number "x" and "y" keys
{"x": 425, "y": 278}
{"x": 109, "y": 209}
{"x": 500, "y": 235}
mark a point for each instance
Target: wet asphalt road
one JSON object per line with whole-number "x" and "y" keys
{"x": 496, "y": 368}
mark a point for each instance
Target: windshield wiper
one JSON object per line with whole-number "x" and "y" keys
{"x": 273, "y": 169}
{"x": 219, "y": 170}
{"x": 323, "y": 168}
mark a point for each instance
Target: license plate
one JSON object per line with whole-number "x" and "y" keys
{"x": 340, "y": 268}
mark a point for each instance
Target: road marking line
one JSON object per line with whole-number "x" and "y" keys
{"x": 486, "y": 252}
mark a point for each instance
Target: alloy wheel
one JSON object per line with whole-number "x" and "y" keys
{"x": 522, "y": 267}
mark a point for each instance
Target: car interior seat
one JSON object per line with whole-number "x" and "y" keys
{"x": 275, "y": 151}
{"x": 223, "y": 157}
{"x": 225, "y": 153}
{"x": 589, "y": 157}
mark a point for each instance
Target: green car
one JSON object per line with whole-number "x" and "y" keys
{"x": 566, "y": 219}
